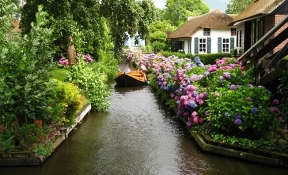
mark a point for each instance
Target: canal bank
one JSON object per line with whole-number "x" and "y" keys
{"x": 57, "y": 136}
{"x": 137, "y": 135}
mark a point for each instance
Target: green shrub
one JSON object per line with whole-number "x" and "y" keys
{"x": 69, "y": 102}
{"x": 91, "y": 81}
{"x": 205, "y": 58}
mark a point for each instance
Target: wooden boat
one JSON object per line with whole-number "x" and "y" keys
{"x": 130, "y": 79}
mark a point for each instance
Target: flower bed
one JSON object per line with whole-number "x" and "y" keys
{"x": 219, "y": 100}
{"x": 16, "y": 158}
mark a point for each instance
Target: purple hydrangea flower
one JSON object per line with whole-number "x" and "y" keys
{"x": 248, "y": 99}
{"x": 254, "y": 110}
{"x": 233, "y": 87}
{"x": 206, "y": 113}
{"x": 189, "y": 124}
{"x": 237, "y": 121}
{"x": 194, "y": 94}
{"x": 192, "y": 104}
{"x": 226, "y": 114}
{"x": 237, "y": 116}
{"x": 227, "y": 75}
{"x": 276, "y": 101}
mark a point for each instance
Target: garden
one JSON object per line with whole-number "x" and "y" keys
{"x": 40, "y": 93}
{"x": 220, "y": 99}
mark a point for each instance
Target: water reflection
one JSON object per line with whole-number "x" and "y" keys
{"x": 136, "y": 136}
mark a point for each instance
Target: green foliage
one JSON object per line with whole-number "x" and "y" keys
{"x": 226, "y": 105}
{"x": 27, "y": 92}
{"x": 25, "y": 67}
{"x": 177, "y": 11}
{"x": 69, "y": 102}
{"x": 35, "y": 137}
{"x": 79, "y": 19}
{"x": 158, "y": 35}
{"x": 158, "y": 46}
{"x": 127, "y": 17}
{"x": 91, "y": 81}
{"x": 236, "y": 105}
{"x": 283, "y": 91}
{"x": 205, "y": 58}
{"x": 237, "y": 6}
{"x": 7, "y": 141}
{"x": 245, "y": 142}
{"x": 60, "y": 73}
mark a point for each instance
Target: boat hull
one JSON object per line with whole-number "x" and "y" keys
{"x": 130, "y": 79}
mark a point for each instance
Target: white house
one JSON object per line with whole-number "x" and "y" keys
{"x": 207, "y": 33}
{"x": 132, "y": 42}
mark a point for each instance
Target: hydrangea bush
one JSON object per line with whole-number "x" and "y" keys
{"x": 221, "y": 95}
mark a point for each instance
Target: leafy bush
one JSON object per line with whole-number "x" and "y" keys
{"x": 92, "y": 83}
{"x": 241, "y": 108}
{"x": 158, "y": 46}
{"x": 69, "y": 102}
{"x": 25, "y": 68}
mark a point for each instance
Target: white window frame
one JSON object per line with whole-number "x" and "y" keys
{"x": 225, "y": 45}
{"x": 202, "y": 45}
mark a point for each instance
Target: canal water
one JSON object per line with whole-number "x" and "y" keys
{"x": 137, "y": 136}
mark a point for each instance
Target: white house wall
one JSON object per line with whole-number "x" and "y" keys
{"x": 214, "y": 34}
{"x": 131, "y": 43}
{"x": 241, "y": 32}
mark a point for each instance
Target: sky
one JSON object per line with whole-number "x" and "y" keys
{"x": 213, "y": 4}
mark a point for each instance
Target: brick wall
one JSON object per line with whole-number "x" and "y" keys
{"x": 278, "y": 18}
{"x": 270, "y": 21}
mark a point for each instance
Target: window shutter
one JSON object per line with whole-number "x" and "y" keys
{"x": 219, "y": 44}
{"x": 208, "y": 44}
{"x": 196, "y": 45}
{"x": 231, "y": 43}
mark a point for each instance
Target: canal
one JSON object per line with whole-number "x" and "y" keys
{"x": 136, "y": 136}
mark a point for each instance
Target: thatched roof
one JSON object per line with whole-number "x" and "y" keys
{"x": 214, "y": 19}
{"x": 15, "y": 25}
{"x": 258, "y": 8}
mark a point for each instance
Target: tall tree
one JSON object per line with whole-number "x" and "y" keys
{"x": 158, "y": 35}
{"x": 70, "y": 19}
{"x": 177, "y": 11}
{"x": 237, "y": 6}
{"x": 127, "y": 18}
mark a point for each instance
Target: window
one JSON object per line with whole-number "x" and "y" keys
{"x": 237, "y": 38}
{"x": 202, "y": 45}
{"x": 233, "y": 31}
{"x": 240, "y": 39}
{"x": 225, "y": 45}
{"x": 206, "y": 32}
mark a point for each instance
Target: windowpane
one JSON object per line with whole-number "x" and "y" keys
{"x": 202, "y": 45}
{"x": 206, "y": 32}
{"x": 233, "y": 31}
{"x": 225, "y": 45}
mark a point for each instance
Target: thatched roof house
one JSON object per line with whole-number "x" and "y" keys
{"x": 199, "y": 33}
{"x": 256, "y": 20}
{"x": 259, "y": 8}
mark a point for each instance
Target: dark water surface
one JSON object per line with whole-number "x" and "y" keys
{"x": 137, "y": 136}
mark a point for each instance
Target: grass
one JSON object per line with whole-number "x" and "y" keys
{"x": 60, "y": 73}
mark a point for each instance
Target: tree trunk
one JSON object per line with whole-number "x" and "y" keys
{"x": 71, "y": 51}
